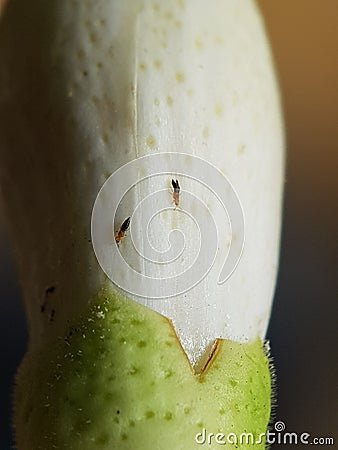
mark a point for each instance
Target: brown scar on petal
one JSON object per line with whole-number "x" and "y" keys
{"x": 210, "y": 357}
{"x": 206, "y": 359}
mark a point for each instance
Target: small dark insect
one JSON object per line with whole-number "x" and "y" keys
{"x": 51, "y": 316}
{"x": 122, "y": 230}
{"x": 48, "y": 291}
{"x": 176, "y": 193}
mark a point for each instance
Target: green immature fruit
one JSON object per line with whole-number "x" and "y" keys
{"x": 120, "y": 380}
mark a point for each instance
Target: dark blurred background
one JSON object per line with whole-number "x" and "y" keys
{"x": 303, "y": 330}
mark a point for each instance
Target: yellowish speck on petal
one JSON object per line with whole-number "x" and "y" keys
{"x": 241, "y": 149}
{"x": 218, "y": 110}
{"x": 198, "y": 44}
{"x": 92, "y": 37}
{"x": 169, "y": 100}
{"x": 142, "y": 172}
{"x": 157, "y": 64}
{"x": 168, "y": 15}
{"x": 95, "y": 100}
{"x": 142, "y": 67}
{"x": 156, "y": 101}
{"x": 156, "y": 7}
{"x": 150, "y": 141}
{"x": 179, "y": 77}
{"x": 205, "y": 132}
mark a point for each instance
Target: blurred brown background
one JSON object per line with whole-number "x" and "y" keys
{"x": 303, "y": 330}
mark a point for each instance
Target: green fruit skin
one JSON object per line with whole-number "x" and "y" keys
{"x": 120, "y": 380}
